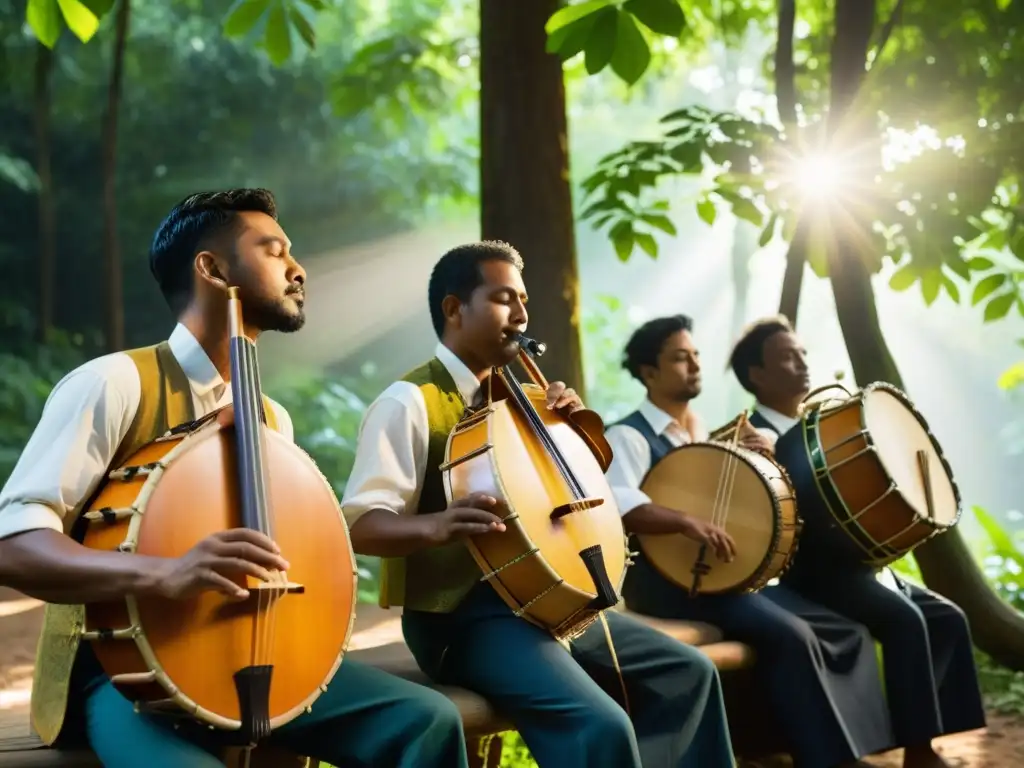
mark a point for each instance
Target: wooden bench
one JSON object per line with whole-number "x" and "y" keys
{"x": 377, "y": 641}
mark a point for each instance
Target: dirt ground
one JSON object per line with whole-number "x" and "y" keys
{"x": 1001, "y": 745}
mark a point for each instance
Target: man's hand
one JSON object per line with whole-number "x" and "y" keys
{"x": 712, "y": 535}
{"x": 753, "y": 440}
{"x": 464, "y": 517}
{"x": 210, "y": 564}
{"x": 561, "y": 397}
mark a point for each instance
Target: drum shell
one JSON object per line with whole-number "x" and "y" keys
{"x": 534, "y": 565}
{"x": 177, "y": 657}
{"x": 853, "y": 507}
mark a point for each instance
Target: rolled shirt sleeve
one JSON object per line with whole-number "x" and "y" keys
{"x": 391, "y": 455}
{"x": 631, "y": 462}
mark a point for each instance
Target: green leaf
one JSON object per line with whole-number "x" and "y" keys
{"x": 986, "y": 286}
{"x": 769, "y": 231}
{"x": 99, "y": 8}
{"x": 661, "y": 222}
{"x": 1012, "y": 377}
{"x": 571, "y": 13}
{"x": 997, "y": 308}
{"x": 1002, "y": 5}
{"x": 951, "y": 289}
{"x": 664, "y": 17}
{"x": 278, "y": 40}
{"x": 43, "y": 17}
{"x": 569, "y": 40}
{"x": 601, "y": 42}
{"x": 622, "y": 238}
{"x": 302, "y": 26}
{"x": 998, "y": 537}
{"x": 631, "y": 56}
{"x": 980, "y": 264}
{"x": 647, "y": 243}
{"x": 748, "y": 211}
{"x": 931, "y": 282}
{"x": 82, "y": 22}
{"x": 244, "y": 16}
{"x": 903, "y": 278}
{"x": 707, "y": 210}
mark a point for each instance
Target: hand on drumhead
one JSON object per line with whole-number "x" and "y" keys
{"x": 468, "y": 516}
{"x": 712, "y": 535}
{"x": 216, "y": 561}
{"x": 754, "y": 440}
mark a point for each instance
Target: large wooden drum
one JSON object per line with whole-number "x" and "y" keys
{"x": 870, "y": 476}
{"x": 744, "y": 492}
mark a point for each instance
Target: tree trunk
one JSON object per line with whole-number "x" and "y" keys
{"x": 47, "y": 217}
{"x": 114, "y": 320}
{"x": 526, "y": 199}
{"x": 946, "y": 564}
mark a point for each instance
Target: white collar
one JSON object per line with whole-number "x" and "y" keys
{"x": 657, "y": 418}
{"x": 780, "y": 421}
{"x": 200, "y": 370}
{"x": 464, "y": 379}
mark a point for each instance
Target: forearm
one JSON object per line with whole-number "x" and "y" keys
{"x": 50, "y": 566}
{"x": 382, "y": 533}
{"x": 654, "y": 519}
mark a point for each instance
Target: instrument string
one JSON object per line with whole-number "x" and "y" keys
{"x": 727, "y": 478}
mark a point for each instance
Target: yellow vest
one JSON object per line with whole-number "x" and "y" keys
{"x": 166, "y": 402}
{"x": 434, "y": 579}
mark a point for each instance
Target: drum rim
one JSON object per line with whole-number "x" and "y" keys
{"x": 747, "y": 584}
{"x": 829, "y": 494}
{"x": 199, "y": 434}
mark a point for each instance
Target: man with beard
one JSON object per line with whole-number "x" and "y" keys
{"x": 109, "y": 408}
{"x": 817, "y": 669}
{"x": 931, "y": 680}
{"x": 651, "y": 701}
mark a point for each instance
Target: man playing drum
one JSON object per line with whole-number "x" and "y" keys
{"x": 817, "y": 670}
{"x": 655, "y": 702}
{"x": 364, "y": 716}
{"x": 931, "y": 680}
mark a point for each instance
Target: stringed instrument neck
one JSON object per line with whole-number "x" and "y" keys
{"x": 247, "y": 401}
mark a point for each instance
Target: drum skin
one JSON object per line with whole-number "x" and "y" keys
{"x": 703, "y": 479}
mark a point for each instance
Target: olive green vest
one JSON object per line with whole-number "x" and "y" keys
{"x": 434, "y": 579}
{"x": 165, "y": 402}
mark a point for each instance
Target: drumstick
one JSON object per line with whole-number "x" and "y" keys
{"x": 926, "y": 477}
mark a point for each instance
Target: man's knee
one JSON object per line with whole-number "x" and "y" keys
{"x": 433, "y": 710}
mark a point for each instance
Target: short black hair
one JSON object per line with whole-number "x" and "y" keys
{"x": 749, "y": 350}
{"x": 458, "y": 274}
{"x": 645, "y": 344}
{"x": 190, "y": 227}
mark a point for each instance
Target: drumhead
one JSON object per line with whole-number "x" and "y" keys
{"x": 898, "y": 432}
{"x": 697, "y": 479}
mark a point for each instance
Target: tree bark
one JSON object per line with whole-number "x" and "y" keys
{"x": 111, "y": 245}
{"x": 526, "y": 199}
{"x": 946, "y": 564}
{"x": 46, "y": 213}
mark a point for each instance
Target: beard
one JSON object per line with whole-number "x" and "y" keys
{"x": 273, "y": 315}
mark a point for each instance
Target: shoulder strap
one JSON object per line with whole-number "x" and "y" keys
{"x": 659, "y": 443}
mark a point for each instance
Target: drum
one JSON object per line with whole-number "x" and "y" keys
{"x": 870, "y": 477}
{"x": 744, "y": 492}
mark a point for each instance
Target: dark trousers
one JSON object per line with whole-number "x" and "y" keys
{"x": 816, "y": 669}
{"x": 365, "y": 718}
{"x": 567, "y": 704}
{"x": 930, "y": 678}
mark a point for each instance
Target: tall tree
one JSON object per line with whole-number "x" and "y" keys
{"x": 525, "y": 196}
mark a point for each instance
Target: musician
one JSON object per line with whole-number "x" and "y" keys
{"x": 817, "y": 669}
{"x": 930, "y": 677}
{"x": 568, "y": 705}
{"x": 208, "y": 241}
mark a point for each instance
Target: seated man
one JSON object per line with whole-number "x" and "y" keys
{"x": 653, "y": 702}
{"x": 105, "y": 411}
{"x": 817, "y": 669}
{"x": 931, "y": 681}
